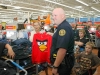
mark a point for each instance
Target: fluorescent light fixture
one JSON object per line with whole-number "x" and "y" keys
{"x": 35, "y": 12}
{"x": 17, "y": 7}
{"x": 66, "y": 6}
{"x": 82, "y": 2}
{"x": 26, "y": 8}
{"x": 95, "y": 9}
{"x": 13, "y": 11}
{"x": 78, "y": 7}
{"x": 31, "y": 4}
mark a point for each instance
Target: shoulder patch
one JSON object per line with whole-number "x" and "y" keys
{"x": 62, "y": 32}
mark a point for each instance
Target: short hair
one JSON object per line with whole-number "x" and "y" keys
{"x": 83, "y": 31}
{"x": 37, "y": 22}
{"x": 98, "y": 26}
{"x": 90, "y": 44}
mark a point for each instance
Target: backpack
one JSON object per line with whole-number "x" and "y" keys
{"x": 6, "y": 69}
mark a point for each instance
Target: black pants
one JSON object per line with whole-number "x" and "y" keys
{"x": 99, "y": 52}
{"x": 89, "y": 73}
{"x": 65, "y": 69}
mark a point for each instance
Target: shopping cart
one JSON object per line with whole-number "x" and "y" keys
{"x": 18, "y": 66}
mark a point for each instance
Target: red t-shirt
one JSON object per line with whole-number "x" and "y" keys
{"x": 41, "y": 48}
{"x": 98, "y": 34}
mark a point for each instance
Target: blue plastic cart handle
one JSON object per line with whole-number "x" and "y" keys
{"x": 21, "y": 68}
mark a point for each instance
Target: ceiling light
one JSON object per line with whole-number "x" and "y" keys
{"x": 95, "y": 9}
{"x": 17, "y": 7}
{"x": 78, "y": 7}
{"x": 82, "y": 2}
{"x": 66, "y": 6}
{"x": 91, "y": 11}
{"x": 32, "y": 4}
{"x": 26, "y": 8}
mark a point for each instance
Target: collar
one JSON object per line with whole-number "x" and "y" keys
{"x": 62, "y": 23}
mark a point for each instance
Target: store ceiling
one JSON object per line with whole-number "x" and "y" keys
{"x": 32, "y": 8}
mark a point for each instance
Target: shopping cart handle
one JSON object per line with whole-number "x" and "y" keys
{"x": 21, "y": 68}
{"x": 17, "y": 65}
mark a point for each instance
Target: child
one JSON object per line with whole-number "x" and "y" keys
{"x": 87, "y": 60}
{"x": 81, "y": 40}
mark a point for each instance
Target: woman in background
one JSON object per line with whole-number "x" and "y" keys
{"x": 97, "y": 39}
{"x": 37, "y": 29}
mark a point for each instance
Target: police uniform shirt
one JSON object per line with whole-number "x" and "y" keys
{"x": 2, "y": 47}
{"x": 63, "y": 38}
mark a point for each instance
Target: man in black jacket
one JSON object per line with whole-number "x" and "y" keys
{"x": 4, "y": 69}
{"x": 10, "y": 53}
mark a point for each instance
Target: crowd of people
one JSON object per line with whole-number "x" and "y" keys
{"x": 66, "y": 41}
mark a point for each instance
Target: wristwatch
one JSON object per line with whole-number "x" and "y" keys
{"x": 54, "y": 67}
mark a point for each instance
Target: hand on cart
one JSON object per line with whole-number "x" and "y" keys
{"x": 10, "y": 53}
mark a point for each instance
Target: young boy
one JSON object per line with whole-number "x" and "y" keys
{"x": 87, "y": 60}
{"x": 81, "y": 40}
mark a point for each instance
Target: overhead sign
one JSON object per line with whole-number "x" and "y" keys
{"x": 83, "y": 19}
{"x": 97, "y": 19}
{"x": 11, "y": 27}
{"x": 92, "y": 19}
{"x": 71, "y": 20}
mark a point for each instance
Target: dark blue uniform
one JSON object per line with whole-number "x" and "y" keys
{"x": 63, "y": 38}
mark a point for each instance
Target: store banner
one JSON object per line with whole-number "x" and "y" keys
{"x": 85, "y": 19}
{"x": 76, "y": 19}
{"x": 11, "y": 27}
{"x": 97, "y": 19}
{"x": 71, "y": 20}
{"x": 92, "y": 19}
{"x": 79, "y": 23}
{"x": 96, "y": 23}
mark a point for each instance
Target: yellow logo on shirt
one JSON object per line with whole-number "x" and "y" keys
{"x": 62, "y": 32}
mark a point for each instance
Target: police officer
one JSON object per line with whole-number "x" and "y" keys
{"x": 62, "y": 56}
